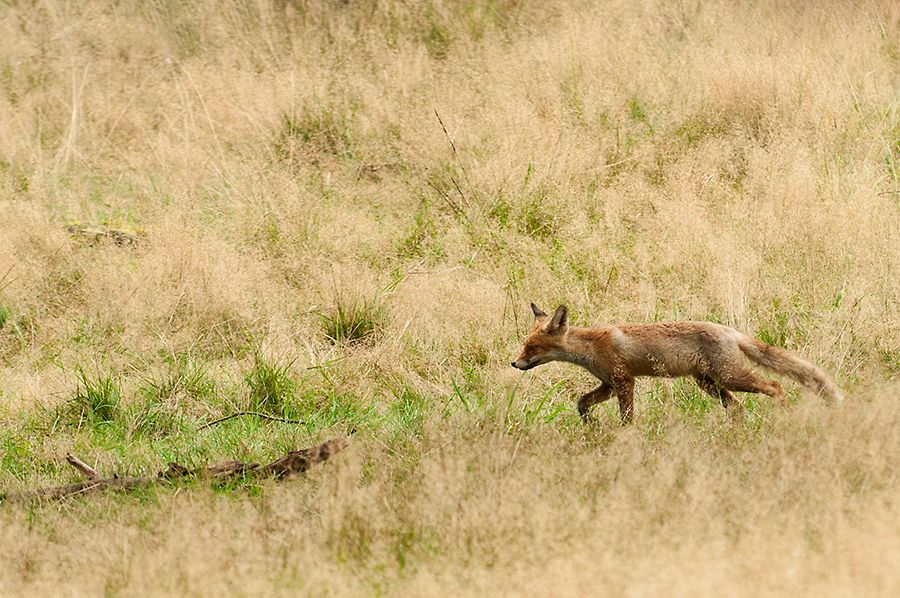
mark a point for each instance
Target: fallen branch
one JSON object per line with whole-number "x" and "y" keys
{"x": 291, "y": 464}
{"x": 88, "y": 471}
{"x": 256, "y": 413}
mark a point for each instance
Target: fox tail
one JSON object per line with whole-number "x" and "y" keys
{"x": 787, "y": 363}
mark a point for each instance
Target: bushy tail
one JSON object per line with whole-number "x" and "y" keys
{"x": 789, "y": 364}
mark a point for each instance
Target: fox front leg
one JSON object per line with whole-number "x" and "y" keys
{"x": 625, "y": 392}
{"x": 594, "y": 397}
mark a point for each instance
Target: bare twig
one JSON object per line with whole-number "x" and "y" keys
{"x": 256, "y": 413}
{"x": 86, "y": 470}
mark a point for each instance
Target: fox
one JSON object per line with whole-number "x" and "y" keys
{"x": 713, "y": 354}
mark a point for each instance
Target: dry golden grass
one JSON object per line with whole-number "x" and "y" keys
{"x": 286, "y": 170}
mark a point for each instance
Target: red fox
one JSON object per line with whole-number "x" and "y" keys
{"x": 713, "y": 354}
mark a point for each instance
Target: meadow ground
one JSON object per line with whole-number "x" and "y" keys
{"x": 338, "y": 212}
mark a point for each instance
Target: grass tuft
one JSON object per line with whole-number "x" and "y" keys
{"x": 271, "y": 388}
{"x": 312, "y": 134}
{"x": 97, "y": 400}
{"x": 353, "y": 320}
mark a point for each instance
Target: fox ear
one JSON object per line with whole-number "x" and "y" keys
{"x": 560, "y": 319}
{"x": 537, "y": 312}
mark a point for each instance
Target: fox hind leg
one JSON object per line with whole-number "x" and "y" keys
{"x": 588, "y": 400}
{"x": 746, "y": 381}
{"x": 729, "y": 401}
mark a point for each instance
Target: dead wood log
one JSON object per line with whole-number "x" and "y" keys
{"x": 299, "y": 461}
{"x": 291, "y": 464}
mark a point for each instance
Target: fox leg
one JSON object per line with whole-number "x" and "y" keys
{"x": 709, "y": 386}
{"x": 588, "y": 400}
{"x": 746, "y": 381}
{"x": 624, "y": 388}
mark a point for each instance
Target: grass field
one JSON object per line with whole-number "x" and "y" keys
{"x": 338, "y": 212}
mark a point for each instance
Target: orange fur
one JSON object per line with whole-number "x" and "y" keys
{"x": 714, "y": 355}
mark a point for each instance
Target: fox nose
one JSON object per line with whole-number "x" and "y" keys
{"x": 513, "y": 364}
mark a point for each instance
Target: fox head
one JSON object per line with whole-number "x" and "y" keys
{"x": 545, "y": 343}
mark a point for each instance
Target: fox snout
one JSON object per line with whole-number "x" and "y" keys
{"x": 521, "y": 364}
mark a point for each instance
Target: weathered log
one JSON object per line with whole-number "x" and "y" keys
{"x": 291, "y": 464}
{"x": 299, "y": 461}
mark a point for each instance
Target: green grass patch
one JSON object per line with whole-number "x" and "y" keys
{"x": 421, "y": 240}
{"x": 407, "y": 413}
{"x": 16, "y": 454}
{"x": 312, "y": 133}
{"x": 783, "y": 323}
{"x": 152, "y": 418}
{"x": 700, "y": 126}
{"x": 271, "y": 388}
{"x": 536, "y": 221}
